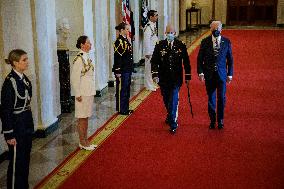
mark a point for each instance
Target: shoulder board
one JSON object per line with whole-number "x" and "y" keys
{"x": 77, "y": 56}
{"x": 147, "y": 25}
{"x": 80, "y": 54}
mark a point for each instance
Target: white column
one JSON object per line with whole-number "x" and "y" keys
{"x": 101, "y": 41}
{"x": 47, "y": 67}
{"x": 137, "y": 51}
{"x": 112, "y": 35}
{"x": 182, "y": 19}
{"x": 88, "y": 20}
{"x": 18, "y": 33}
{"x": 163, "y": 17}
{"x": 176, "y": 16}
{"x": 3, "y": 145}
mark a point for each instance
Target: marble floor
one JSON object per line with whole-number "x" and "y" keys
{"x": 49, "y": 152}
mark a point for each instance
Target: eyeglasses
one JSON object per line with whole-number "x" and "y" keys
{"x": 170, "y": 32}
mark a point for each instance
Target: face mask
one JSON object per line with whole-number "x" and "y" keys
{"x": 216, "y": 33}
{"x": 170, "y": 37}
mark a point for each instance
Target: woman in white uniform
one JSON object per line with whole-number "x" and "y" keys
{"x": 83, "y": 85}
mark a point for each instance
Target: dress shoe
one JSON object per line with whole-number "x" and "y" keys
{"x": 167, "y": 121}
{"x": 220, "y": 125}
{"x": 151, "y": 89}
{"x": 128, "y": 112}
{"x": 94, "y": 145}
{"x": 173, "y": 131}
{"x": 212, "y": 125}
{"x": 89, "y": 148}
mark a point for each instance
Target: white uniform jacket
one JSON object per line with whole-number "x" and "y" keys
{"x": 82, "y": 75}
{"x": 150, "y": 38}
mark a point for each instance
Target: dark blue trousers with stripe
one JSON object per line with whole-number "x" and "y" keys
{"x": 171, "y": 98}
{"x": 123, "y": 92}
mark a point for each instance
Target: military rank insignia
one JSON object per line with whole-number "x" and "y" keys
{"x": 163, "y": 52}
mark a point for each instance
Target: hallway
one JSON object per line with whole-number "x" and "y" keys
{"x": 48, "y": 153}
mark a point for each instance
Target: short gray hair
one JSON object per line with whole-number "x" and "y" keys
{"x": 217, "y": 22}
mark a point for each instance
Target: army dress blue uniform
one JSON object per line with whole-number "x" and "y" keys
{"x": 17, "y": 122}
{"x": 167, "y": 61}
{"x": 123, "y": 64}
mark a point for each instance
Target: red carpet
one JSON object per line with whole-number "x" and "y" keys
{"x": 248, "y": 153}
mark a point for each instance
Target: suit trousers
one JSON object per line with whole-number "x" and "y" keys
{"x": 171, "y": 99}
{"x": 19, "y": 169}
{"x": 123, "y": 92}
{"x": 148, "y": 81}
{"x": 213, "y": 85}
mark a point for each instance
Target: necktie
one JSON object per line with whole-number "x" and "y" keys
{"x": 216, "y": 43}
{"x": 216, "y": 47}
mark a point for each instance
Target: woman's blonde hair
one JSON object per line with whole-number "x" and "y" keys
{"x": 14, "y": 56}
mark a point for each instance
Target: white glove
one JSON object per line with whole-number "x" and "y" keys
{"x": 156, "y": 79}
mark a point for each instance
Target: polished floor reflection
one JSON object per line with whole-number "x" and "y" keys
{"x": 49, "y": 152}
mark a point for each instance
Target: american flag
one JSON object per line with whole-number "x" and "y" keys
{"x": 126, "y": 14}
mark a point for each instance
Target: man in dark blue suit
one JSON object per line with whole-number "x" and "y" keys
{"x": 215, "y": 66}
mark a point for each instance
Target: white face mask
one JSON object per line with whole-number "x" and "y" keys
{"x": 170, "y": 36}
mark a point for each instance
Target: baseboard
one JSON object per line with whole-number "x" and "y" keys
{"x": 3, "y": 156}
{"x": 100, "y": 93}
{"x": 280, "y": 25}
{"x": 42, "y": 133}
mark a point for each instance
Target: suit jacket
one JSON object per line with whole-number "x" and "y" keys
{"x": 123, "y": 56}
{"x": 167, "y": 63}
{"x": 206, "y": 60}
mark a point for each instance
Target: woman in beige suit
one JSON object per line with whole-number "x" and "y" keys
{"x": 83, "y": 85}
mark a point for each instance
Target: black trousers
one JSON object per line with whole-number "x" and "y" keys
{"x": 22, "y": 163}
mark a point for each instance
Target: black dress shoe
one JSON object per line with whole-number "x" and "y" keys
{"x": 173, "y": 131}
{"x": 128, "y": 112}
{"x": 167, "y": 121}
{"x": 220, "y": 125}
{"x": 212, "y": 125}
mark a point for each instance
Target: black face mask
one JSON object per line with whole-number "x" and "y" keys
{"x": 216, "y": 33}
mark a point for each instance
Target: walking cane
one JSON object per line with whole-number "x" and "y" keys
{"x": 188, "y": 96}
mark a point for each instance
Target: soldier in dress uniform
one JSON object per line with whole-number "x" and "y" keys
{"x": 83, "y": 85}
{"x": 167, "y": 60}
{"x": 149, "y": 42}
{"x": 122, "y": 68}
{"x": 17, "y": 120}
